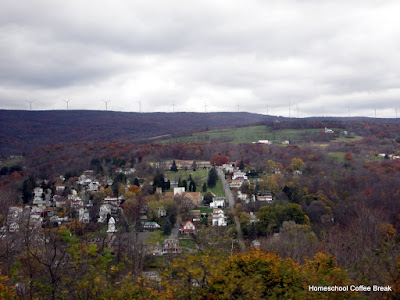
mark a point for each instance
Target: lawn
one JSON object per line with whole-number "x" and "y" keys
{"x": 218, "y": 190}
{"x": 338, "y": 156}
{"x": 205, "y": 209}
{"x": 186, "y": 243}
{"x": 198, "y": 176}
{"x": 247, "y": 135}
{"x": 156, "y": 237}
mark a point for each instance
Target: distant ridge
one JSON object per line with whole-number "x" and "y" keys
{"x": 22, "y": 130}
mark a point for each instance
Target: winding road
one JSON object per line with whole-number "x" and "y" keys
{"x": 231, "y": 202}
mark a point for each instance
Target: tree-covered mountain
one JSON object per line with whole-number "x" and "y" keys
{"x": 24, "y": 130}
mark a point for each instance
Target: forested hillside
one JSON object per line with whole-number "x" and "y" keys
{"x": 23, "y": 130}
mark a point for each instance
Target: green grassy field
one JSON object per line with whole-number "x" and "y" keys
{"x": 198, "y": 175}
{"x": 218, "y": 190}
{"x": 338, "y": 156}
{"x": 248, "y": 135}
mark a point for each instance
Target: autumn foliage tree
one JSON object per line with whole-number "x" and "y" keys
{"x": 219, "y": 160}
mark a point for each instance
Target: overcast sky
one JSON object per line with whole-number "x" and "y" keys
{"x": 332, "y": 59}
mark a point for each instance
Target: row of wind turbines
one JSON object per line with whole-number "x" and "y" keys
{"x": 237, "y": 106}
{"x": 67, "y": 103}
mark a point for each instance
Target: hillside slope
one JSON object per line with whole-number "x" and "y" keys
{"x": 23, "y": 130}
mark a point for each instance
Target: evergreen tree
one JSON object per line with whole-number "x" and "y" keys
{"x": 192, "y": 186}
{"x": 207, "y": 199}
{"x": 204, "y": 187}
{"x": 174, "y": 168}
{"x": 184, "y": 184}
{"x": 159, "y": 181}
{"x": 27, "y": 189}
{"x": 136, "y": 182}
{"x": 241, "y": 165}
{"x": 167, "y": 227}
{"x": 212, "y": 178}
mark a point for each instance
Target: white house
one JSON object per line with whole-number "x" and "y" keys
{"x": 245, "y": 197}
{"x": 228, "y": 168}
{"x": 218, "y": 217}
{"x": 266, "y": 197}
{"x": 327, "y": 130}
{"x": 218, "y": 202}
{"x": 179, "y": 190}
{"x": 239, "y": 176}
{"x": 105, "y": 209}
{"x": 188, "y": 227}
{"x": 84, "y": 216}
{"x": 235, "y": 184}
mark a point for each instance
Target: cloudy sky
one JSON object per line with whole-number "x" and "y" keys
{"x": 331, "y": 58}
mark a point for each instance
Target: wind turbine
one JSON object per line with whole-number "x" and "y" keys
{"x": 140, "y": 105}
{"x": 106, "y": 102}
{"x": 238, "y": 106}
{"x": 173, "y": 106}
{"x": 205, "y": 106}
{"x": 30, "y": 103}
{"x": 67, "y": 101}
{"x": 289, "y": 108}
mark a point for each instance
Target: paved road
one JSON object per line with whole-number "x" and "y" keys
{"x": 175, "y": 230}
{"x": 231, "y": 202}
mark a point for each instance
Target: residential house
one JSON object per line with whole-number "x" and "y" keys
{"x": 327, "y": 130}
{"x": 265, "y": 197}
{"x": 218, "y": 217}
{"x": 245, "y": 197}
{"x": 151, "y": 226}
{"x": 218, "y": 202}
{"x": 179, "y": 190}
{"x": 161, "y": 212}
{"x": 13, "y": 218}
{"x": 228, "y": 168}
{"x": 59, "y": 201}
{"x": 105, "y": 209}
{"x": 196, "y": 198}
{"x": 84, "y": 215}
{"x": 188, "y": 227}
{"x": 266, "y": 142}
{"x": 196, "y": 215}
{"x": 113, "y": 200}
{"x": 235, "y": 184}
{"x": 239, "y": 175}
{"x": 170, "y": 246}
{"x": 60, "y": 188}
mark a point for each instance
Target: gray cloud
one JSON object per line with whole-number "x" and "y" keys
{"x": 322, "y": 57}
